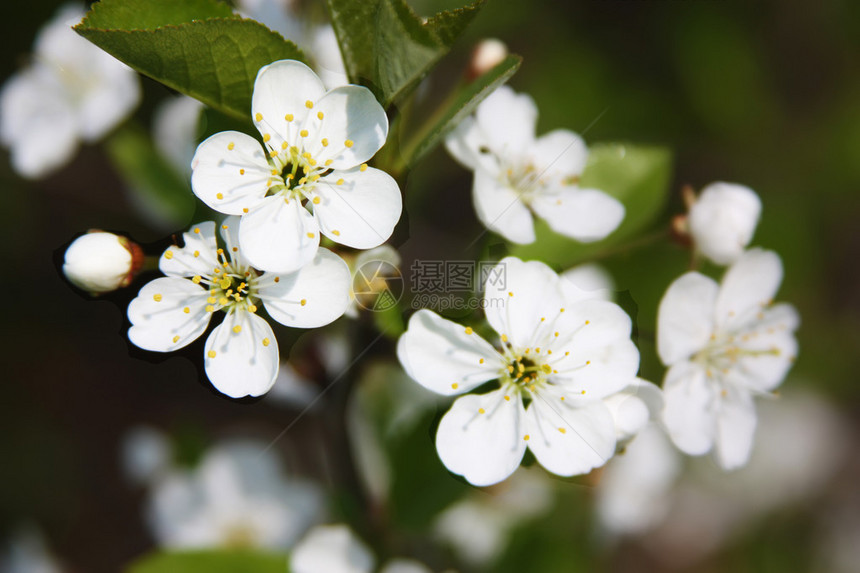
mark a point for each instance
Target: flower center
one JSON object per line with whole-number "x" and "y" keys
{"x": 526, "y": 373}
{"x": 230, "y": 287}
{"x": 723, "y": 353}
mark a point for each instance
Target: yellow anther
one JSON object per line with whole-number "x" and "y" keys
{"x": 259, "y": 117}
{"x": 510, "y": 294}
{"x": 220, "y": 196}
{"x": 315, "y": 178}
{"x": 504, "y": 338}
{"x": 197, "y": 230}
{"x": 231, "y": 145}
{"x": 273, "y": 153}
{"x": 583, "y": 392}
{"x": 481, "y": 411}
{"x": 236, "y": 250}
{"x": 237, "y": 329}
{"x": 587, "y": 362}
{"x": 511, "y": 369}
{"x": 211, "y": 300}
{"x": 223, "y": 301}
{"x": 543, "y": 318}
{"x": 306, "y": 155}
{"x": 168, "y": 255}
{"x": 348, "y": 143}
{"x": 225, "y": 227}
{"x": 335, "y": 232}
{"x": 455, "y": 385}
{"x": 156, "y": 298}
{"x": 266, "y": 137}
{"x": 312, "y": 163}
{"x": 526, "y": 437}
{"x": 546, "y": 368}
{"x": 316, "y": 200}
{"x": 556, "y": 334}
{"x": 508, "y": 398}
{"x": 175, "y": 339}
{"x": 303, "y": 180}
{"x": 244, "y": 209}
{"x": 340, "y": 181}
{"x": 266, "y": 342}
{"x": 303, "y": 133}
{"x": 328, "y": 162}
{"x": 566, "y": 353}
{"x": 561, "y": 310}
{"x": 562, "y": 430}
{"x": 303, "y": 302}
{"x": 480, "y": 361}
{"x": 309, "y": 104}
{"x": 363, "y": 167}
{"x": 562, "y": 398}
{"x": 284, "y": 145}
{"x": 537, "y": 349}
{"x": 196, "y": 253}
{"x": 252, "y": 308}
{"x": 587, "y": 322}
{"x": 186, "y": 310}
{"x": 211, "y": 353}
{"x": 469, "y": 330}
{"x": 311, "y": 235}
{"x": 277, "y": 279}
{"x": 324, "y": 142}
{"x": 289, "y": 117}
{"x": 320, "y": 115}
{"x": 196, "y": 279}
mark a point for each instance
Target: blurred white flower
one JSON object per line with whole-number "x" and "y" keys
{"x": 489, "y": 53}
{"x": 588, "y": 281}
{"x": 72, "y": 92}
{"x": 633, "y": 407}
{"x": 278, "y": 15}
{"x": 517, "y": 174}
{"x": 241, "y": 352}
{"x": 479, "y": 526}
{"x": 237, "y": 496}
{"x": 722, "y": 221}
{"x": 27, "y": 552}
{"x": 175, "y": 124}
{"x": 326, "y": 53}
{"x": 146, "y": 455}
{"x": 723, "y": 345}
{"x": 336, "y": 549}
{"x": 100, "y": 262}
{"x": 560, "y": 359}
{"x": 316, "y": 143}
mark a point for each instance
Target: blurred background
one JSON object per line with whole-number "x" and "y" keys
{"x": 764, "y": 94}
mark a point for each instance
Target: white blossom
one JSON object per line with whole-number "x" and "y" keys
{"x": 723, "y": 345}
{"x": 309, "y": 178}
{"x": 100, "y": 262}
{"x": 554, "y": 363}
{"x": 175, "y": 123}
{"x": 722, "y": 221}
{"x": 27, "y": 552}
{"x": 489, "y": 53}
{"x": 518, "y": 174}
{"x": 238, "y": 496}
{"x": 242, "y": 352}
{"x": 72, "y": 92}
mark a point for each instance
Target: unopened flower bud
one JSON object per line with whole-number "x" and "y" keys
{"x": 722, "y": 221}
{"x": 100, "y": 262}
{"x": 487, "y": 54}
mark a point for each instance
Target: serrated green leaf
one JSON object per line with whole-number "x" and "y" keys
{"x": 638, "y": 176}
{"x": 148, "y": 175}
{"x": 463, "y": 104}
{"x": 387, "y": 47}
{"x": 215, "y": 561}
{"x": 214, "y": 60}
{"x": 152, "y": 14}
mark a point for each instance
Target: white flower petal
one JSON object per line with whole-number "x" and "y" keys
{"x": 583, "y": 214}
{"x": 197, "y": 257}
{"x": 483, "y": 447}
{"x": 99, "y": 262}
{"x": 519, "y": 294}
{"x": 329, "y": 62}
{"x": 634, "y": 407}
{"x": 404, "y": 566}
{"x": 358, "y": 208}
{"x": 723, "y": 220}
{"x": 158, "y": 318}
{"x": 230, "y": 172}
{"x": 353, "y": 124}
{"x": 508, "y": 119}
{"x": 313, "y": 296}
{"x": 736, "y": 423}
{"x": 175, "y": 127}
{"x": 585, "y": 282}
{"x": 685, "y": 319}
{"x": 559, "y": 154}
{"x": 242, "y": 355}
{"x": 591, "y": 324}
{"x": 748, "y": 286}
{"x": 331, "y": 549}
{"x": 596, "y": 372}
{"x": 284, "y": 88}
{"x": 767, "y": 351}
{"x": 467, "y": 144}
{"x": 569, "y": 440}
{"x": 442, "y": 357}
{"x": 690, "y": 408}
{"x": 501, "y": 210}
{"x": 278, "y": 236}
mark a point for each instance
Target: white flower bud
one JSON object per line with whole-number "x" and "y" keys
{"x": 722, "y": 221}
{"x": 100, "y": 262}
{"x": 487, "y": 54}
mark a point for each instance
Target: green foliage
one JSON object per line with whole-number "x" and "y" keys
{"x": 150, "y": 176}
{"x": 638, "y": 176}
{"x": 197, "y": 47}
{"x": 214, "y": 561}
{"x": 386, "y": 46}
{"x": 463, "y": 104}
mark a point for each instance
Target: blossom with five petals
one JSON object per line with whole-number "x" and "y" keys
{"x": 555, "y": 361}
{"x": 723, "y": 344}
{"x": 241, "y": 352}
{"x": 316, "y": 146}
{"x": 517, "y": 173}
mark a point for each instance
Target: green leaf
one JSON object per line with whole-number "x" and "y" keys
{"x": 386, "y": 46}
{"x": 214, "y": 59}
{"x": 214, "y": 561}
{"x": 146, "y": 173}
{"x": 464, "y": 103}
{"x": 638, "y": 176}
